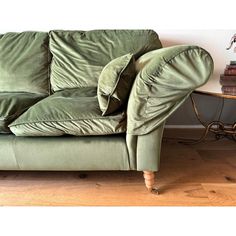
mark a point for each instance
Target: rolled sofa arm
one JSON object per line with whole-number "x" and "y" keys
{"x": 166, "y": 78}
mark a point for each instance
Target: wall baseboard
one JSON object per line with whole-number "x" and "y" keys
{"x": 184, "y": 127}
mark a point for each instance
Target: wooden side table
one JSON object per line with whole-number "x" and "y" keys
{"x": 219, "y": 128}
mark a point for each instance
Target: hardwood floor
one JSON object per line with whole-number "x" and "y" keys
{"x": 190, "y": 175}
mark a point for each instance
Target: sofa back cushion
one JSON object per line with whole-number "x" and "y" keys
{"x": 24, "y": 62}
{"x": 79, "y": 56}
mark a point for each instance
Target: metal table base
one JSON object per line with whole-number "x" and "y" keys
{"x": 220, "y": 129}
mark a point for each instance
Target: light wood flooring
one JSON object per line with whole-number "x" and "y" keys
{"x": 190, "y": 175}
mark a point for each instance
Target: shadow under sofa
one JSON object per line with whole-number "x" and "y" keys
{"x": 38, "y": 68}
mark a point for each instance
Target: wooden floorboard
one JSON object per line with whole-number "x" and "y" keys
{"x": 190, "y": 175}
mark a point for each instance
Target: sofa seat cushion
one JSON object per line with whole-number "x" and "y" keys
{"x": 72, "y": 111}
{"x": 79, "y": 56}
{"x": 12, "y": 105}
{"x": 24, "y": 62}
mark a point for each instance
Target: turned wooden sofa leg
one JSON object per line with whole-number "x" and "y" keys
{"x": 149, "y": 178}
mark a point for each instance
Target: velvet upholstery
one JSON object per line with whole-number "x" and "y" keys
{"x": 165, "y": 81}
{"x": 64, "y": 153}
{"x": 79, "y": 56}
{"x": 72, "y": 111}
{"x": 24, "y": 62}
{"x": 115, "y": 82}
{"x": 128, "y": 139}
{"x": 12, "y": 105}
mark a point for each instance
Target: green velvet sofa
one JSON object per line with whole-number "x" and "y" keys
{"x": 58, "y": 114}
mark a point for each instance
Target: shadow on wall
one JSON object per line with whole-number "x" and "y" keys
{"x": 209, "y": 109}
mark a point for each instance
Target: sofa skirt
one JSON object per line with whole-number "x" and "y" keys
{"x": 65, "y": 153}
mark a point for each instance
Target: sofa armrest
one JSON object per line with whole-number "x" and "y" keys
{"x": 166, "y": 78}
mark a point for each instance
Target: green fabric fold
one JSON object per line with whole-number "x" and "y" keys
{"x": 115, "y": 83}
{"x": 165, "y": 81}
{"x": 73, "y": 111}
{"x": 12, "y": 105}
{"x": 25, "y": 62}
{"x": 80, "y": 56}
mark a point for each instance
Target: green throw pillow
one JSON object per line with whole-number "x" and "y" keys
{"x": 115, "y": 82}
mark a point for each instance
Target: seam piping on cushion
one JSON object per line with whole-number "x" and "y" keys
{"x": 167, "y": 62}
{"x": 33, "y": 122}
{"x": 83, "y": 134}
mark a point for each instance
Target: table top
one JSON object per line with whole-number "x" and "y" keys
{"x": 213, "y": 88}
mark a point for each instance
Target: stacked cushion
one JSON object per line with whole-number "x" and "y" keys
{"x": 13, "y": 105}
{"x": 24, "y": 62}
{"x": 72, "y": 111}
{"x": 80, "y": 56}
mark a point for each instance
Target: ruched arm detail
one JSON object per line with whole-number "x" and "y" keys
{"x": 168, "y": 76}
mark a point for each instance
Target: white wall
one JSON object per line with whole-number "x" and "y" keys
{"x": 17, "y": 15}
{"x": 214, "y": 41}
{"x": 177, "y": 22}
